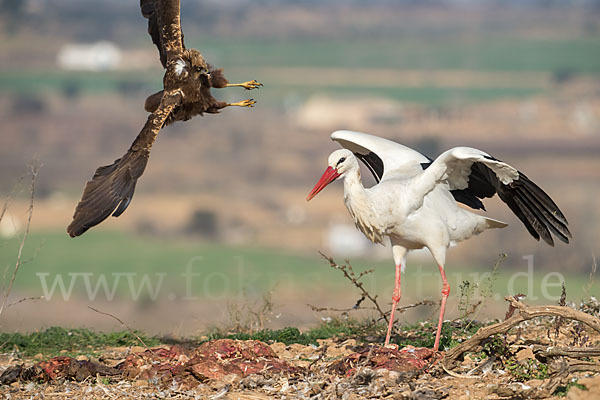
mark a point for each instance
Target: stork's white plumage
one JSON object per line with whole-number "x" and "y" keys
{"x": 415, "y": 200}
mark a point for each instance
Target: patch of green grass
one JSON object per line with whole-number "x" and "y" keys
{"x": 335, "y": 328}
{"x": 562, "y": 390}
{"x": 526, "y": 370}
{"x": 60, "y": 341}
{"x": 423, "y": 334}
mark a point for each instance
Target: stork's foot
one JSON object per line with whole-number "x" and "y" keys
{"x": 243, "y": 103}
{"x": 246, "y": 85}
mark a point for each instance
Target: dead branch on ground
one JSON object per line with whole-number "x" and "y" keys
{"x": 524, "y": 313}
{"x": 400, "y": 310}
{"x": 14, "y": 303}
{"x": 568, "y": 351}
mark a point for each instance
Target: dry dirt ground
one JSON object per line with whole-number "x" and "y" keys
{"x": 536, "y": 359}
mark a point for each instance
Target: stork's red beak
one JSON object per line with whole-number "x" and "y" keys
{"x": 328, "y": 176}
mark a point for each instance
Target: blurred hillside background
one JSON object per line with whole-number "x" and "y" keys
{"x": 224, "y": 194}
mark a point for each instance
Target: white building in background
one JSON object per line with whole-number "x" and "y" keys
{"x": 345, "y": 240}
{"x": 99, "y": 56}
{"x": 9, "y": 225}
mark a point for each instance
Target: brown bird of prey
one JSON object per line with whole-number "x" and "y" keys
{"x": 187, "y": 83}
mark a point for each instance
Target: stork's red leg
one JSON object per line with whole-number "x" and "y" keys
{"x": 395, "y": 299}
{"x": 445, "y": 293}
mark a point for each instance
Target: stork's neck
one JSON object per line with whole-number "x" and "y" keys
{"x": 355, "y": 197}
{"x": 353, "y": 186}
{"x": 358, "y": 203}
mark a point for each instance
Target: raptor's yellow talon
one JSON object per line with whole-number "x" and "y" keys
{"x": 246, "y": 85}
{"x": 244, "y": 103}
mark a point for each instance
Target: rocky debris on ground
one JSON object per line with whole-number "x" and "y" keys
{"x": 590, "y": 389}
{"x": 212, "y": 360}
{"x": 506, "y": 367}
{"x": 61, "y": 367}
{"x": 407, "y": 360}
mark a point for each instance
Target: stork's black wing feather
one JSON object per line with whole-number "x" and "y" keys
{"x": 373, "y": 162}
{"x": 536, "y": 210}
{"x": 469, "y": 196}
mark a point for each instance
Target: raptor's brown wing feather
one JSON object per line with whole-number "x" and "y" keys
{"x": 111, "y": 188}
{"x": 164, "y": 26}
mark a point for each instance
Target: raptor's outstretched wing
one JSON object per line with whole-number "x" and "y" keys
{"x": 111, "y": 189}
{"x": 164, "y": 26}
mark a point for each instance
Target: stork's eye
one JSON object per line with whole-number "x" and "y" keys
{"x": 341, "y": 161}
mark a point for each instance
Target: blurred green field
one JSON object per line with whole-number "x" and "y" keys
{"x": 75, "y": 83}
{"x": 226, "y": 271}
{"x": 562, "y": 58}
{"x": 580, "y": 55}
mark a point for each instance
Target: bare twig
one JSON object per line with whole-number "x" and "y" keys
{"x": 590, "y": 283}
{"x": 353, "y": 308}
{"x": 322, "y": 354}
{"x": 34, "y": 172}
{"x": 476, "y": 309}
{"x": 9, "y": 198}
{"x": 349, "y": 274}
{"x": 124, "y": 326}
{"x": 511, "y": 308}
{"x": 558, "y": 321}
{"x": 425, "y": 302}
{"x": 524, "y": 313}
{"x": 572, "y": 352}
{"x": 343, "y": 310}
{"x": 356, "y": 305}
{"x": 462, "y": 376}
{"x": 583, "y": 366}
{"x": 248, "y": 316}
{"x": 14, "y": 303}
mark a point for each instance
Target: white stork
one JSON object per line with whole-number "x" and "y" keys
{"x": 415, "y": 200}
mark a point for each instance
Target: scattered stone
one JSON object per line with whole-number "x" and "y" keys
{"x": 593, "y": 389}
{"x": 426, "y": 393}
{"x": 524, "y": 355}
